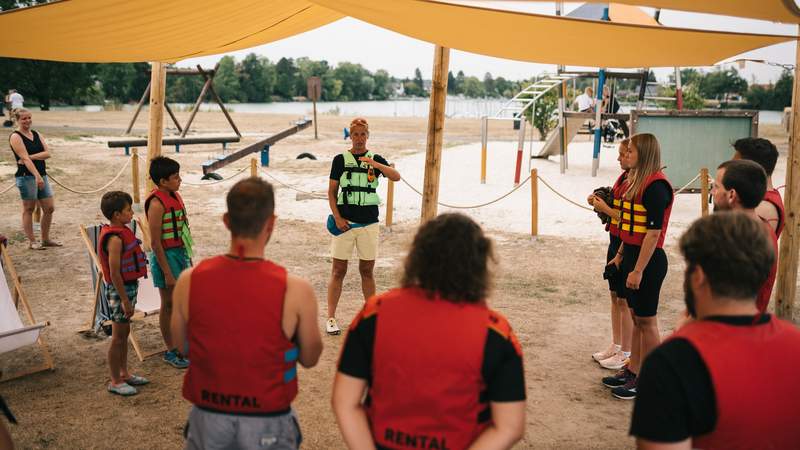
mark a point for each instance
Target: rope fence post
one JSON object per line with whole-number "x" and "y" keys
{"x": 704, "y": 191}
{"x": 484, "y": 144}
{"x": 253, "y": 167}
{"x": 389, "y": 202}
{"x": 534, "y": 202}
{"x": 135, "y": 175}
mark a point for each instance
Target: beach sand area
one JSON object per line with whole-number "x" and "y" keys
{"x": 549, "y": 287}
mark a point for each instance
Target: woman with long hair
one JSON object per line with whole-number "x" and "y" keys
{"x": 646, "y": 206}
{"x": 616, "y": 355}
{"x": 440, "y": 369}
{"x": 31, "y": 151}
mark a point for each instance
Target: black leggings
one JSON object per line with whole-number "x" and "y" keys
{"x": 616, "y": 283}
{"x": 644, "y": 301}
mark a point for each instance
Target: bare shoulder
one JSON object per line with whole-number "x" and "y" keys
{"x": 298, "y": 291}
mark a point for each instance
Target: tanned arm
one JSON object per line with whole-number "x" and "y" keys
{"x": 300, "y": 297}
{"x": 114, "y": 245}
{"x": 155, "y": 213}
{"x": 180, "y": 311}
{"x": 350, "y": 414}
{"x": 507, "y": 428}
{"x": 24, "y": 158}
{"x": 333, "y": 194}
{"x": 644, "y": 444}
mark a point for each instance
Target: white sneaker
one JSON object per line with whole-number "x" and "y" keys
{"x": 605, "y": 354}
{"x": 332, "y": 328}
{"x": 615, "y": 362}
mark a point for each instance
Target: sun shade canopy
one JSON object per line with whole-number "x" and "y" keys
{"x": 550, "y": 39}
{"x": 152, "y": 30}
{"x": 168, "y": 31}
{"x": 785, "y": 11}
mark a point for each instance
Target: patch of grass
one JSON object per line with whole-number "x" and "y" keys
{"x": 76, "y": 137}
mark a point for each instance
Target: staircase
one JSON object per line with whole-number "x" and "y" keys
{"x": 526, "y": 98}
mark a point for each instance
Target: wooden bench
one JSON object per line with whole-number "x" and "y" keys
{"x": 176, "y": 141}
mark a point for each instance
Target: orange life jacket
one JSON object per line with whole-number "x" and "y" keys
{"x": 616, "y": 202}
{"x": 133, "y": 263}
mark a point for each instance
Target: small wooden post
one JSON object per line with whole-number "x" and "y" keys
{"x": 520, "y": 147}
{"x": 135, "y": 175}
{"x": 316, "y": 136}
{"x": 253, "y": 167}
{"x": 389, "y": 202}
{"x": 704, "y": 191}
{"x": 534, "y": 202}
{"x": 155, "y": 132}
{"x": 484, "y": 143}
{"x": 786, "y": 286}
{"x": 433, "y": 150}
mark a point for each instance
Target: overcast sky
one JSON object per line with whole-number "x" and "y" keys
{"x": 376, "y": 48}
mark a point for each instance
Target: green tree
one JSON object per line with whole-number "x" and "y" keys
{"x": 473, "y": 88}
{"x": 544, "y": 118}
{"x": 718, "y": 83}
{"x": 418, "y": 80}
{"x": 226, "y": 81}
{"x": 355, "y": 83}
{"x": 452, "y": 83}
{"x": 256, "y": 79}
{"x": 308, "y": 68}
{"x": 489, "y": 85}
{"x": 383, "y": 85}
{"x": 286, "y": 75}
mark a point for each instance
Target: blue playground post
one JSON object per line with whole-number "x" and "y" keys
{"x": 265, "y": 156}
{"x": 598, "y": 121}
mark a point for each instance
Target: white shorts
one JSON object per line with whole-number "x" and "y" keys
{"x": 364, "y": 239}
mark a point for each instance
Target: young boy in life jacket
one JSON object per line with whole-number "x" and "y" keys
{"x": 123, "y": 264}
{"x": 171, "y": 243}
{"x": 247, "y": 323}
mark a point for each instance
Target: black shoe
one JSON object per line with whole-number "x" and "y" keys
{"x": 619, "y": 379}
{"x": 627, "y": 392}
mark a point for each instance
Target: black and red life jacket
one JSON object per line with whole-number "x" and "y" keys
{"x": 242, "y": 362}
{"x": 616, "y": 202}
{"x": 173, "y": 220}
{"x": 133, "y": 263}
{"x": 754, "y": 370}
{"x": 427, "y": 386}
{"x": 633, "y": 226}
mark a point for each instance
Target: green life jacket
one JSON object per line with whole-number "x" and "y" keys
{"x": 356, "y": 189}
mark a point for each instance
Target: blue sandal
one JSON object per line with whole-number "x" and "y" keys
{"x": 123, "y": 389}
{"x": 136, "y": 380}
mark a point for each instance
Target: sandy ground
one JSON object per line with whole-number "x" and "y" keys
{"x": 554, "y": 297}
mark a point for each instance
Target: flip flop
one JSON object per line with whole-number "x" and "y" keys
{"x": 36, "y": 246}
{"x": 51, "y": 243}
{"x": 136, "y": 380}
{"x": 123, "y": 389}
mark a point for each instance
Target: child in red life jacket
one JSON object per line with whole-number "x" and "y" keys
{"x": 171, "y": 243}
{"x": 123, "y": 264}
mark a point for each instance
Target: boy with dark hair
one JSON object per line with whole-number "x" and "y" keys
{"x": 765, "y": 154}
{"x": 171, "y": 243}
{"x": 740, "y": 185}
{"x": 247, "y": 323}
{"x": 123, "y": 264}
{"x": 700, "y": 388}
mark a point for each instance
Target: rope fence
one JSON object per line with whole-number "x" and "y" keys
{"x": 471, "y": 206}
{"x": 76, "y": 191}
{"x": 209, "y": 183}
{"x": 8, "y": 188}
{"x": 318, "y": 195}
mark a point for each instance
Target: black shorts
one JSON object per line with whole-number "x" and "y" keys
{"x": 616, "y": 283}
{"x": 644, "y": 301}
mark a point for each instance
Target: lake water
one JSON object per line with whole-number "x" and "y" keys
{"x": 456, "y": 107}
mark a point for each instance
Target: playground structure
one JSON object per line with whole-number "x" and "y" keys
{"x": 208, "y": 87}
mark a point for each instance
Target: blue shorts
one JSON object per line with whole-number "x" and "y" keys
{"x": 178, "y": 261}
{"x": 29, "y": 191}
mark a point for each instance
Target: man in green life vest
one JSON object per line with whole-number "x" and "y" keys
{"x": 353, "y": 198}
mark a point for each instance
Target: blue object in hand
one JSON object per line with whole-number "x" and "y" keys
{"x": 334, "y": 230}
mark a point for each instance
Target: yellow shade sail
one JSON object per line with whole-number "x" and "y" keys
{"x": 550, "y": 39}
{"x": 152, "y": 30}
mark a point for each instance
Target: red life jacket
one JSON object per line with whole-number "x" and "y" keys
{"x": 616, "y": 202}
{"x": 133, "y": 263}
{"x": 751, "y": 413}
{"x": 774, "y": 197}
{"x": 173, "y": 219}
{"x": 764, "y": 294}
{"x": 426, "y": 386}
{"x": 633, "y": 226}
{"x": 241, "y": 360}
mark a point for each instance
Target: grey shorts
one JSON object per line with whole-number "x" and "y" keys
{"x": 211, "y": 430}
{"x": 28, "y": 190}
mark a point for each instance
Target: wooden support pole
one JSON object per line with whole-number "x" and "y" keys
{"x": 389, "y": 202}
{"x": 135, "y": 175}
{"x": 316, "y": 94}
{"x": 484, "y": 144}
{"x": 219, "y": 102}
{"x": 155, "y": 132}
{"x": 138, "y": 109}
{"x": 786, "y": 285}
{"x": 534, "y": 202}
{"x": 197, "y": 104}
{"x": 704, "y": 191}
{"x": 433, "y": 150}
{"x": 253, "y": 167}
{"x": 172, "y": 116}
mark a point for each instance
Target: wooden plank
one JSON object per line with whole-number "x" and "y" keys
{"x": 433, "y": 150}
{"x": 138, "y": 109}
{"x": 135, "y": 175}
{"x": 140, "y": 142}
{"x": 786, "y": 285}
{"x": 211, "y": 166}
{"x": 155, "y": 131}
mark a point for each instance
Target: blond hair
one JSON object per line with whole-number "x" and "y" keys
{"x": 648, "y": 162}
{"x": 16, "y": 112}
